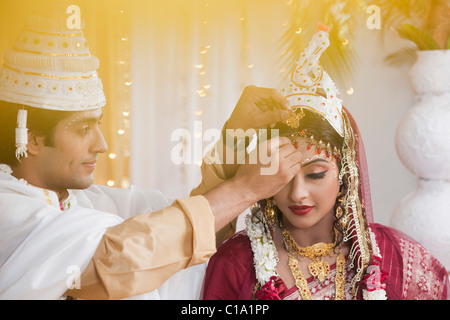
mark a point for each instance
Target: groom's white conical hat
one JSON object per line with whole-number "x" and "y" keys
{"x": 50, "y": 66}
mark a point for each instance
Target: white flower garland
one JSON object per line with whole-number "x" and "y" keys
{"x": 374, "y": 295}
{"x": 265, "y": 255}
{"x": 378, "y": 294}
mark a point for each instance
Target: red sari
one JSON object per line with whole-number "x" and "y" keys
{"x": 412, "y": 272}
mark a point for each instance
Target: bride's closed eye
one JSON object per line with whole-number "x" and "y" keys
{"x": 316, "y": 176}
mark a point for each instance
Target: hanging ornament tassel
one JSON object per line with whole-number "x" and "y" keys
{"x": 21, "y": 134}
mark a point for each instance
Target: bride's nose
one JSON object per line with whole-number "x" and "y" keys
{"x": 299, "y": 190}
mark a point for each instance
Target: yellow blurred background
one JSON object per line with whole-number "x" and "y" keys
{"x": 168, "y": 64}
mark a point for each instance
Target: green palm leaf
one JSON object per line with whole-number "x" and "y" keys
{"x": 405, "y": 56}
{"x": 429, "y": 16}
{"x": 422, "y": 39}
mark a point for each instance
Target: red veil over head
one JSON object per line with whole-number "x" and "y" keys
{"x": 357, "y": 201}
{"x": 363, "y": 170}
{"x": 411, "y": 271}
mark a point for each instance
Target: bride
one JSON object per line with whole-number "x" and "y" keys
{"x": 316, "y": 238}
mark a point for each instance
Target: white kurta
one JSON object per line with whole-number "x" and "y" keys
{"x": 42, "y": 248}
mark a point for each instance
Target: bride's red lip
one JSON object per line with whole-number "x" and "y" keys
{"x": 301, "y": 210}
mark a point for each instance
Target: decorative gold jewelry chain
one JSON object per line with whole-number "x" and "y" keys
{"x": 318, "y": 267}
{"x": 302, "y": 284}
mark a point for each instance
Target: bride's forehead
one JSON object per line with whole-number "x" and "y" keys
{"x": 315, "y": 159}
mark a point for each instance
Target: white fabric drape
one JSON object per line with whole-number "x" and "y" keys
{"x": 190, "y": 61}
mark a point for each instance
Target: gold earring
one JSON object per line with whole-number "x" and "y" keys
{"x": 270, "y": 213}
{"x": 340, "y": 211}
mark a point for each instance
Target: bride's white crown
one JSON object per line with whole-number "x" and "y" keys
{"x": 306, "y": 79}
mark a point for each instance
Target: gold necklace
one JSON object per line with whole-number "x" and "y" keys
{"x": 318, "y": 267}
{"x": 302, "y": 284}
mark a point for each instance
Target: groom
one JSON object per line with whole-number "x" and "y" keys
{"x": 125, "y": 242}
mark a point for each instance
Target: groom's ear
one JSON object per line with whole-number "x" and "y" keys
{"x": 35, "y": 144}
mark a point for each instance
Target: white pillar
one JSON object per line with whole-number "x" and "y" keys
{"x": 423, "y": 145}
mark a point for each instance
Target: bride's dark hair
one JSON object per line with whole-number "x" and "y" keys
{"x": 315, "y": 125}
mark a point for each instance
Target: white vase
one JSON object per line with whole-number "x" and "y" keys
{"x": 423, "y": 146}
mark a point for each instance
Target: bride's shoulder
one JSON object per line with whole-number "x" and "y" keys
{"x": 239, "y": 239}
{"x": 238, "y": 244}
